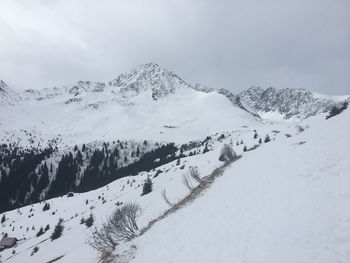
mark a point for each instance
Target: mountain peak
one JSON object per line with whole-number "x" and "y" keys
{"x": 8, "y": 97}
{"x": 148, "y": 77}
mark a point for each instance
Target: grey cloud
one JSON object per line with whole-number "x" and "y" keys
{"x": 222, "y": 44}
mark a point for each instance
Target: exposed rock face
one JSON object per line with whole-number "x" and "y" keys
{"x": 155, "y": 83}
{"x": 148, "y": 77}
{"x": 8, "y": 97}
{"x": 289, "y": 103}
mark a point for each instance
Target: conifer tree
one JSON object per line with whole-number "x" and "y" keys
{"x": 40, "y": 232}
{"x": 147, "y": 186}
{"x": 89, "y": 221}
{"x": 57, "y": 232}
{"x": 3, "y": 219}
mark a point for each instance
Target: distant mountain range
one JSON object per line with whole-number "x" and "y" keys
{"x": 140, "y": 104}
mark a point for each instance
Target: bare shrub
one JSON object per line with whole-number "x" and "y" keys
{"x": 186, "y": 182}
{"x": 227, "y": 154}
{"x": 121, "y": 225}
{"x": 107, "y": 256}
{"x": 101, "y": 240}
{"x": 166, "y": 199}
{"x": 194, "y": 173}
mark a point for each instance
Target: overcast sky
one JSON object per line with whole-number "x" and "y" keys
{"x": 221, "y": 44}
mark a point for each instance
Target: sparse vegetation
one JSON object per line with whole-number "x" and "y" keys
{"x": 40, "y": 232}
{"x": 147, "y": 186}
{"x": 227, "y": 154}
{"x": 46, "y": 207}
{"x": 35, "y": 250}
{"x": 186, "y": 182}
{"x": 121, "y": 225}
{"x": 194, "y": 173}
{"x": 57, "y": 232}
{"x": 3, "y": 219}
{"x": 89, "y": 221}
{"x": 166, "y": 199}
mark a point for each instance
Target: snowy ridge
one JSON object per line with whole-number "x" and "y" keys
{"x": 146, "y": 103}
{"x": 8, "y": 97}
{"x": 287, "y": 195}
{"x": 296, "y": 104}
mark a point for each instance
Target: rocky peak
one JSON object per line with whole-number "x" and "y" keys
{"x": 298, "y": 103}
{"x": 8, "y": 97}
{"x": 148, "y": 77}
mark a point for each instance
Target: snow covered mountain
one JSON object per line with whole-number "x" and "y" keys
{"x": 76, "y": 152}
{"x": 146, "y": 103}
{"x": 289, "y": 196}
{"x": 289, "y": 104}
{"x": 141, "y": 104}
{"x": 7, "y": 96}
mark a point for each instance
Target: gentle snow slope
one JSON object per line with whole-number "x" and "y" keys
{"x": 288, "y": 201}
{"x": 185, "y": 115}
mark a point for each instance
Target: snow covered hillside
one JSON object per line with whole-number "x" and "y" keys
{"x": 287, "y": 104}
{"x": 70, "y": 156}
{"x": 146, "y": 103}
{"x": 285, "y": 201}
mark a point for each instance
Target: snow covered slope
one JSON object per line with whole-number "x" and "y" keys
{"x": 146, "y": 103}
{"x": 286, "y": 104}
{"x": 286, "y": 201}
{"x": 7, "y": 96}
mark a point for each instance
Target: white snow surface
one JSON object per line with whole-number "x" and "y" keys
{"x": 141, "y": 105}
{"x": 286, "y": 201}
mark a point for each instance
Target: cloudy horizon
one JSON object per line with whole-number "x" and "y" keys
{"x": 232, "y": 45}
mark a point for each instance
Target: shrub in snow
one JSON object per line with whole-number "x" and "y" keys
{"x": 40, "y": 232}
{"x": 46, "y": 207}
{"x": 57, "y": 232}
{"x": 227, "y": 154}
{"x": 147, "y": 186}
{"x": 89, "y": 221}
{"x": 206, "y": 149}
{"x": 121, "y": 225}
{"x": 166, "y": 199}
{"x": 35, "y": 249}
{"x": 267, "y": 138}
{"x": 107, "y": 256}
{"x": 186, "y": 182}
{"x": 3, "y": 219}
{"x": 193, "y": 171}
